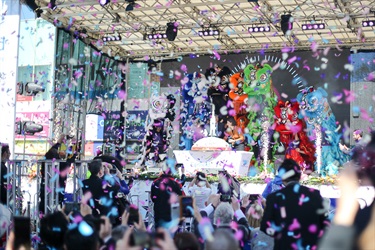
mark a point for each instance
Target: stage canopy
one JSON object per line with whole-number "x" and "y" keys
{"x": 134, "y": 20}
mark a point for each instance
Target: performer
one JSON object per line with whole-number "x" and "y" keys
{"x": 359, "y": 143}
{"x": 234, "y": 135}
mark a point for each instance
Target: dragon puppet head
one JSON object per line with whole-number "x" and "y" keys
{"x": 312, "y": 102}
{"x": 257, "y": 79}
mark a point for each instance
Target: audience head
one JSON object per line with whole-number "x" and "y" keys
{"x": 223, "y": 240}
{"x": 289, "y": 171}
{"x": 254, "y": 215}
{"x": 82, "y": 236}
{"x": 5, "y": 152}
{"x": 357, "y": 134}
{"x": 95, "y": 167}
{"x": 118, "y": 232}
{"x": 201, "y": 179}
{"x": 223, "y": 214}
{"x": 53, "y": 228}
{"x": 231, "y": 121}
{"x": 186, "y": 241}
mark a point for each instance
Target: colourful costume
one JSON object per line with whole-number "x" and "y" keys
{"x": 321, "y": 128}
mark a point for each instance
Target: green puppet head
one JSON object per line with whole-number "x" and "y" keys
{"x": 257, "y": 79}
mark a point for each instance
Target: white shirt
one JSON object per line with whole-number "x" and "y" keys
{"x": 200, "y": 195}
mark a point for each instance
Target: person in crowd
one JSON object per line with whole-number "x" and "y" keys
{"x": 234, "y": 135}
{"x": 353, "y": 228}
{"x": 228, "y": 184}
{"x": 54, "y": 153}
{"x": 359, "y": 143}
{"x": 200, "y": 189}
{"x": 101, "y": 191}
{"x": 82, "y": 236}
{"x": 161, "y": 191}
{"x": 52, "y": 230}
{"x": 294, "y": 215}
{"x": 272, "y": 186}
{"x": 225, "y": 214}
{"x": 222, "y": 239}
{"x": 259, "y": 240}
{"x": 5, "y": 155}
{"x": 186, "y": 241}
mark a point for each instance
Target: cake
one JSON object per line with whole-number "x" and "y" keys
{"x": 211, "y": 144}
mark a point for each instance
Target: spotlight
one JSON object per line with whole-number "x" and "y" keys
{"x": 369, "y": 23}
{"x": 286, "y": 23}
{"x": 259, "y": 29}
{"x": 34, "y": 7}
{"x": 110, "y": 38}
{"x": 157, "y": 35}
{"x": 131, "y": 5}
{"x": 52, "y": 5}
{"x": 209, "y": 32}
{"x": 104, "y": 2}
{"x": 315, "y": 26}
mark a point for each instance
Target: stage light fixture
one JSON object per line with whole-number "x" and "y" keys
{"x": 131, "y": 5}
{"x": 155, "y": 36}
{"x": 104, "y": 2}
{"x": 313, "y": 26}
{"x": 52, "y": 5}
{"x": 209, "y": 32}
{"x": 368, "y": 23}
{"x": 111, "y": 38}
{"x": 34, "y": 7}
{"x": 286, "y": 23}
{"x": 259, "y": 29}
{"x": 171, "y": 32}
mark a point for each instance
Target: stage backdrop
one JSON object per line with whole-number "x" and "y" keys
{"x": 329, "y": 69}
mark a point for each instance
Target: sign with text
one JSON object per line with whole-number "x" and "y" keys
{"x": 113, "y": 127}
{"x": 135, "y": 124}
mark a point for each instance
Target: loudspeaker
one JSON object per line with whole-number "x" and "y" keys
{"x": 286, "y": 23}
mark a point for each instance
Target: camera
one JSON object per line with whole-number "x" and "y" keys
{"x": 145, "y": 239}
{"x": 113, "y": 171}
{"x": 225, "y": 198}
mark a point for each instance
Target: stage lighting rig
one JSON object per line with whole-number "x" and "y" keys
{"x": 28, "y": 128}
{"x": 111, "y": 38}
{"x": 255, "y": 29}
{"x": 29, "y": 88}
{"x": 313, "y": 26}
{"x": 286, "y": 23}
{"x": 209, "y": 32}
{"x": 171, "y": 32}
{"x": 52, "y": 5}
{"x": 131, "y": 5}
{"x": 104, "y": 2}
{"x": 368, "y": 23}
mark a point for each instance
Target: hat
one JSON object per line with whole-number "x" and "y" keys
{"x": 201, "y": 176}
{"x": 289, "y": 169}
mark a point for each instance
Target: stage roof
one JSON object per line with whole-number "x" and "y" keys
{"x": 342, "y": 19}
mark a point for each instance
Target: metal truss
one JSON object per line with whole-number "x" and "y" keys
{"x": 342, "y": 18}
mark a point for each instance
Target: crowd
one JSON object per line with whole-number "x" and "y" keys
{"x": 287, "y": 215}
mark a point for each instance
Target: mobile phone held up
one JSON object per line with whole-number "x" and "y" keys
{"x": 113, "y": 171}
{"x": 186, "y": 206}
{"x": 71, "y": 207}
{"x": 22, "y": 232}
{"x": 225, "y": 198}
{"x": 133, "y": 215}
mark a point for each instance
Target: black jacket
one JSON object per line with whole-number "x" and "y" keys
{"x": 94, "y": 184}
{"x": 3, "y": 190}
{"x": 161, "y": 190}
{"x": 296, "y": 215}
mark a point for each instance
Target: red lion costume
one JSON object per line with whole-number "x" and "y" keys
{"x": 292, "y": 134}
